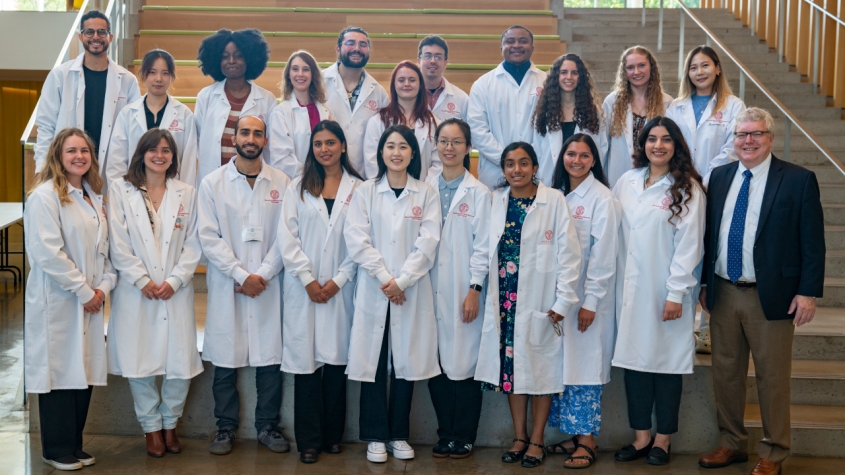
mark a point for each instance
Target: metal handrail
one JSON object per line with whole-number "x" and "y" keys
{"x": 822, "y": 10}
{"x": 745, "y": 73}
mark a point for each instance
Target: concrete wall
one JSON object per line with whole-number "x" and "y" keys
{"x": 32, "y": 40}
{"x": 112, "y": 413}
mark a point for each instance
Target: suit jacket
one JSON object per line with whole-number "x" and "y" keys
{"x": 789, "y": 250}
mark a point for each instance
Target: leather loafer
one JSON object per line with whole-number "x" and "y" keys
{"x": 630, "y": 453}
{"x": 658, "y": 456}
{"x": 332, "y": 449}
{"x": 722, "y": 457}
{"x": 308, "y": 456}
{"x": 766, "y": 467}
{"x": 171, "y": 442}
{"x": 155, "y": 444}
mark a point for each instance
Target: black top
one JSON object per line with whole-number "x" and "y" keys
{"x": 567, "y": 129}
{"x": 398, "y": 191}
{"x": 329, "y": 204}
{"x": 95, "y": 102}
{"x": 154, "y": 121}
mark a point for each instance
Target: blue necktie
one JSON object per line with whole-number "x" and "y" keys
{"x": 737, "y": 231}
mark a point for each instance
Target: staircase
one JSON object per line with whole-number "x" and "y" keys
{"x": 818, "y": 369}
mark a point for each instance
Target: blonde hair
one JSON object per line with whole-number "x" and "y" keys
{"x": 622, "y": 88}
{"x": 54, "y": 170}
{"x": 316, "y": 87}
{"x": 721, "y": 88}
{"x": 756, "y": 114}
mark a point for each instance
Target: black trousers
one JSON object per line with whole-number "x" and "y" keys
{"x": 382, "y": 420}
{"x": 458, "y": 407}
{"x": 63, "y": 413}
{"x": 653, "y": 391}
{"x": 319, "y": 407}
{"x": 268, "y": 386}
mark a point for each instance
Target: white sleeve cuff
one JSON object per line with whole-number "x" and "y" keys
{"x": 240, "y": 275}
{"x": 305, "y": 277}
{"x": 383, "y": 276}
{"x": 142, "y": 282}
{"x": 174, "y": 282}
{"x": 340, "y": 280}
{"x": 403, "y": 282}
{"x": 590, "y": 303}
{"x": 85, "y": 294}
{"x": 561, "y": 308}
{"x": 675, "y": 296}
{"x": 477, "y": 279}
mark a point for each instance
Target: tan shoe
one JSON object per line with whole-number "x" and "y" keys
{"x": 766, "y": 467}
{"x": 155, "y": 444}
{"x": 702, "y": 342}
{"x": 722, "y": 457}
{"x": 171, "y": 442}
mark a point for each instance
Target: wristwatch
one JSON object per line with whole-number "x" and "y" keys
{"x": 475, "y": 287}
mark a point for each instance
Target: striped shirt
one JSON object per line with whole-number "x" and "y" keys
{"x": 227, "y": 144}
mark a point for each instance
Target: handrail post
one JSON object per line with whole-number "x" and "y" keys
{"x": 817, "y": 26}
{"x": 781, "y": 22}
{"x": 787, "y": 136}
{"x": 742, "y": 85}
{"x": 707, "y": 41}
{"x": 751, "y": 10}
{"x": 659, "y": 28}
{"x": 681, "y": 49}
{"x": 643, "y": 13}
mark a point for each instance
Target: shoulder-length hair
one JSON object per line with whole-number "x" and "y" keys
{"x": 720, "y": 87}
{"x": 314, "y": 176}
{"x": 529, "y": 150}
{"x": 54, "y": 170}
{"x": 547, "y": 115}
{"x": 464, "y": 130}
{"x": 150, "y": 59}
{"x": 250, "y": 42}
{"x": 318, "y": 94}
{"x": 407, "y": 133}
{"x": 560, "y": 179}
{"x": 393, "y": 113}
{"x": 622, "y": 88}
{"x": 686, "y": 178}
{"x": 137, "y": 172}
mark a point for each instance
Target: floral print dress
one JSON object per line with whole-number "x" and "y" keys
{"x": 508, "y": 279}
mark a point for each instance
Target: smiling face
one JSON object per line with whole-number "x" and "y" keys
{"x": 659, "y": 146}
{"x": 568, "y": 77}
{"x": 452, "y": 146}
{"x": 158, "y": 79}
{"x": 702, "y": 74}
{"x": 354, "y": 51}
{"x": 578, "y": 160}
{"x": 327, "y": 148}
{"x": 96, "y": 44}
{"x": 300, "y": 74}
{"x": 407, "y": 84}
{"x": 159, "y": 158}
{"x": 517, "y": 46}
{"x": 76, "y": 157}
{"x": 396, "y": 153}
{"x": 249, "y": 138}
{"x": 519, "y": 169}
{"x": 753, "y": 151}
{"x": 432, "y": 62}
{"x": 233, "y": 63}
{"x": 637, "y": 69}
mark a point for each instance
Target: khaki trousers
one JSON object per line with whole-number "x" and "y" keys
{"x": 737, "y": 327}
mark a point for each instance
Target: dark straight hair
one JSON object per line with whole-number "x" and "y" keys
{"x": 528, "y": 148}
{"x": 150, "y": 59}
{"x": 415, "y": 167}
{"x": 314, "y": 176}
{"x": 464, "y": 129}
{"x": 137, "y": 173}
{"x": 560, "y": 179}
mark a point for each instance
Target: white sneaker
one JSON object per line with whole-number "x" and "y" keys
{"x": 400, "y": 449}
{"x": 64, "y": 463}
{"x": 376, "y": 452}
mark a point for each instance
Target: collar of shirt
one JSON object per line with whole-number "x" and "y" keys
{"x": 233, "y": 173}
{"x": 585, "y": 185}
{"x": 433, "y": 96}
{"x": 758, "y": 172}
{"x": 450, "y": 185}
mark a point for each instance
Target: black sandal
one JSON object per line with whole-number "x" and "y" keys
{"x": 553, "y": 449}
{"x": 533, "y": 462}
{"x": 515, "y": 456}
{"x": 590, "y": 458}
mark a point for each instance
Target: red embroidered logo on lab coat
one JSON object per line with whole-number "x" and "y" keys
{"x": 463, "y": 211}
{"x": 181, "y": 211}
{"x": 274, "y": 197}
{"x": 372, "y": 105}
{"x": 579, "y": 213}
{"x": 547, "y": 237}
{"x": 416, "y": 214}
{"x": 450, "y": 108}
{"x": 174, "y": 126}
{"x": 538, "y": 92}
{"x": 348, "y": 199}
{"x": 664, "y": 204}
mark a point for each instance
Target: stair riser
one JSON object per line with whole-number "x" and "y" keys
{"x": 827, "y": 175}
{"x": 815, "y": 392}
{"x": 806, "y": 442}
{"x": 833, "y": 195}
{"x": 611, "y": 51}
{"x": 833, "y": 297}
{"x": 834, "y": 240}
{"x": 816, "y": 347}
{"x": 606, "y": 71}
{"x": 650, "y": 37}
{"x": 834, "y": 216}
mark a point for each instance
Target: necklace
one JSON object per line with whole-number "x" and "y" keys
{"x": 648, "y": 175}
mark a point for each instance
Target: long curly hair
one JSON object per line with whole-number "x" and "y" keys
{"x": 548, "y": 114}
{"x": 680, "y": 165}
{"x": 392, "y": 114}
{"x": 54, "y": 170}
{"x": 250, "y": 42}
{"x": 622, "y": 88}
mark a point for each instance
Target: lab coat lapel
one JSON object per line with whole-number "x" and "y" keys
{"x": 142, "y": 221}
{"x": 171, "y": 216}
{"x": 318, "y": 204}
{"x": 462, "y": 191}
{"x": 366, "y": 89}
{"x": 343, "y": 197}
{"x": 113, "y": 79}
{"x": 76, "y": 68}
{"x": 629, "y": 127}
{"x": 140, "y": 116}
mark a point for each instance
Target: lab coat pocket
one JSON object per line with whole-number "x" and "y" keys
{"x": 541, "y": 331}
{"x": 546, "y": 257}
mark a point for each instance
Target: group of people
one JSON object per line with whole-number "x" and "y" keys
{"x": 345, "y": 238}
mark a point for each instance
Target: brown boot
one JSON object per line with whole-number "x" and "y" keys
{"x": 171, "y": 442}
{"x": 155, "y": 444}
{"x": 766, "y": 467}
{"x": 722, "y": 457}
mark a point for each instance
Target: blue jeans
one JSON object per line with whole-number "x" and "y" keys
{"x": 156, "y": 413}
{"x": 268, "y": 385}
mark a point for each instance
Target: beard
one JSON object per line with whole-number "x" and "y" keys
{"x": 349, "y": 63}
{"x": 88, "y": 49}
{"x": 248, "y": 155}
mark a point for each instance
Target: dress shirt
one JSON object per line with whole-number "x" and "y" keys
{"x": 447, "y": 191}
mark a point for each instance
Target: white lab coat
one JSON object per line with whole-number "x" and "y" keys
{"x": 452, "y": 103}
{"x": 548, "y": 149}
{"x": 68, "y": 251}
{"x": 353, "y": 121}
{"x": 239, "y": 330}
{"x": 618, "y": 158}
{"x": 211, "y": 113}
{"x": 153, "y": 337}
{"x": 60, "y": 107}
{"x": 586, "y": 356}
{"x": 500, "y": 114}
{"x": 429, "y": 158}
{"x": 290, "y": 136}
{"x": 711, "y": 141}
{"x": 313, "y": 248}
{"x": 550, "y": 264}
{"x": 131, "y": 124}
{"x": 388, "y": 238}
{"x": 461, "y": 261}
{"x": 657, "y": 261}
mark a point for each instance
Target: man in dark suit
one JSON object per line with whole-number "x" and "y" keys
{"x": 763, "y": 269}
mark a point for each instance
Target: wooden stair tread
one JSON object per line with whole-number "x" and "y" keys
{"x": 803, "y": 417}
{"x": 801, "y": 369}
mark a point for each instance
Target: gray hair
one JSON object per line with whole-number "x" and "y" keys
{"x": 756, "y": 114}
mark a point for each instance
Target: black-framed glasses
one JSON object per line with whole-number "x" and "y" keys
{"x": 89, "y": 32}
{"x": 756, "y": 135}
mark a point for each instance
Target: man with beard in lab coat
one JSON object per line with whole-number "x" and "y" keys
{"x": 240, "y": 206}
{"x": 87, "y": 92}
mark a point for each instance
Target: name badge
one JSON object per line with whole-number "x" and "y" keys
{"x": 253, "y": 233}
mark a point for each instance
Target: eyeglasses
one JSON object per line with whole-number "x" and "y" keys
{"x": 429, "y": 57}
{"x": 757, "y": 135}
{"x": 361, "y": 44}
{"x": 445, "y": 143}
{"x": 89, "y": 32}
{"x": 557, "y": 328}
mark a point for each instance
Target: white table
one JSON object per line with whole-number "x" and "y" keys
{"x": 10, "y": 213}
